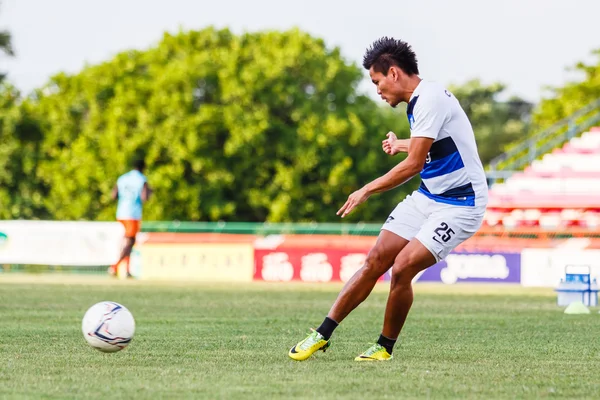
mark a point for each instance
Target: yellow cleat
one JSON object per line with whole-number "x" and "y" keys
{"x": 375, "y": 353}
{"x": 313, "y": 342}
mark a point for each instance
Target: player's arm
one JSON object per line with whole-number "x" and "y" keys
{"x": 146, "y": 192}
{"x": 430, "y": 115}
{"x": 406, "y": 169}
{"x": 392, "y": 145}
{"x": 115, "y": 193}
{"x": 401, "y": 146}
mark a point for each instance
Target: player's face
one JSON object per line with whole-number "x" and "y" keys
{"x": 387, "y": 86}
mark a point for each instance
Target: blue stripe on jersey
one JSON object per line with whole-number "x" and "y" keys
{"x": 468, "y": 201}
{"x": 460, "y": 196}
{"x": 410, "y": 112}
{"x": 442, "y": 166}
{"x": 442, "y": 148}
{"x": 461, "y": 191}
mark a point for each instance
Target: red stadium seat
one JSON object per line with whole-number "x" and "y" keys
{"x": 558, "y": 194}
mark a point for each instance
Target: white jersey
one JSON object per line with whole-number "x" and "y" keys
{"x": 453, "y": 173}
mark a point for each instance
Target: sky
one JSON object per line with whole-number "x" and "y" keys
{"x": 526, "y": 44}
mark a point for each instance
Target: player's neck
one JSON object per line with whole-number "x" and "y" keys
{"x": 411, "y": 84}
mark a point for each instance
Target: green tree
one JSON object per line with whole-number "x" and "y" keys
{"x": 21, "y": 193}
{"x": 6, "y": 43}
{"x": 5, "y": 47}
{"x": 259, "y": 127}
{"x": 574, "y": 97}
{"x": 566, "y": 100}
{"x": 8, "y": 111}
{"x": 496, "y": 123}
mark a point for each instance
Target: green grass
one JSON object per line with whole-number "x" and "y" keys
{"x": 231, "y": 341}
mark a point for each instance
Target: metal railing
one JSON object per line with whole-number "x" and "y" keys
{"x": 257, "y": 228}
{"x": 530, "y": 149}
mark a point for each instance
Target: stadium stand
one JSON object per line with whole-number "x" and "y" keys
{"x": 560, "y": 190}
{"x": 553, "y": 200}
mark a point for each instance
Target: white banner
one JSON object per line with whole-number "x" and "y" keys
{"x": 60, "y": 242}
{"x": 546, "y": 267}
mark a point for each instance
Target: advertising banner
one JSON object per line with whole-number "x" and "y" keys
{"x": 475, "y": 267}
{"x": 209, "y": 262}
{"x": 65, "y": 243}
{"x": 324, "y": 265}
{"x": 307, "y": 265}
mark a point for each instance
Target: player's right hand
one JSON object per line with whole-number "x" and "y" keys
{"x": 388, "y": 144}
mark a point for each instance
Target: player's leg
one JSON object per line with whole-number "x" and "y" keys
{"x": 131, "y": 229}
{"x": 128, "y": 243}
{"x": 412, "y": 259}
{"x": 354, "y": 292}
{"x": 400, "y": 227}
{"x": 444, "y": 230}
{"x": 113, "y": 269}
{"x": 357, "y": 289}
{"x": 134, "y": 228}
{"x": 127, "y": 253}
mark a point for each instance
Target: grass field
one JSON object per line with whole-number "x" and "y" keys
{"x": 231, "y": 341}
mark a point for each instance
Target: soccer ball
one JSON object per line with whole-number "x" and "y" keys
{"x": 108, "y": 326}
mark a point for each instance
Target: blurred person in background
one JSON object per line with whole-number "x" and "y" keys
{"x": 131, "y": 191}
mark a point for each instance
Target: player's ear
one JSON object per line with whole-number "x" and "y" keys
{"x": 393, "y": 73}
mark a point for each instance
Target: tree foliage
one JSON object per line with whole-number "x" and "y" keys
{"x": 21, "y": 193}
{"x": 496, "y": 123}
{"x": 263, "y": 126}
{"x": 566, "y": 100}
{"x": 5, "y": 47}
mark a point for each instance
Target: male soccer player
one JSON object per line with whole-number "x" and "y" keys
{"x": 131, "y": 191}
{"x": 446, "y": 210}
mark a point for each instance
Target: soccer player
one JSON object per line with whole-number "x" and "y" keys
{"x": 131, "y": 191}
{"x": 428, "y": 224}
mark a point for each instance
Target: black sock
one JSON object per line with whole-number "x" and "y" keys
{"x": 387, "y": 343}
{"x": 327, "y": 327}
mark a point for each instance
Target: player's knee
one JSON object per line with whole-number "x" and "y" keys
{"x": 374, "y": 263}
{"x": 401, "y": 276}
{"x": 403, "y": 270}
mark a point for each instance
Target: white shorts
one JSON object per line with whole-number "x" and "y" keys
{"x": 439, "y": 227}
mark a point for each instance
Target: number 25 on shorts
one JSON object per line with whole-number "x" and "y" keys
{"x": 443, "y": 233}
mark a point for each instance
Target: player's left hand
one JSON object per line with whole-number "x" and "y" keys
{"x": 356, "y": 198}
{"x": 389, "y": 144}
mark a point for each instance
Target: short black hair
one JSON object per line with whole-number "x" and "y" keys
{"x": 387, "y": 51}
{"x": 139, "y": 164}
